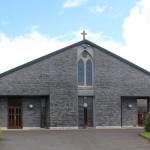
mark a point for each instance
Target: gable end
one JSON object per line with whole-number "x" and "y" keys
{"x": 69, "y": 47}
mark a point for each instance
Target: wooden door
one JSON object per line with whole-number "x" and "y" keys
{"x": 142, "y": 112}
{"x": 14, "y": 117}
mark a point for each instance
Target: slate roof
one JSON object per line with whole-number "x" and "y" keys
{"x": 69, "y": 47}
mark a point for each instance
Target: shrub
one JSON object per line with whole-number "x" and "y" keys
{"x": 0, "y": 130}
{"x": 147, "y": 122}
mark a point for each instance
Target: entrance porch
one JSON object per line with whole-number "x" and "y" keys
{"x": 134, "y": 110}
{"x": 24, "y": 112}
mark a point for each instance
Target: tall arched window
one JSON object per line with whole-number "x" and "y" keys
{"x": 89, "y": 72}
{"x": 85, "y": 69}
{"x": 80, "y": 72}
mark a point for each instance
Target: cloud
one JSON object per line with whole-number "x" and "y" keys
{"x": 23, "y": 48}
{"x": 73, "y": 3}
{"x": 136, "y": 47}
{"x": 136, "y": 33}
{"x": 97, "y": 9}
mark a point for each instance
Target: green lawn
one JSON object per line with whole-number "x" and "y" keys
{"x": 145, "y": 135}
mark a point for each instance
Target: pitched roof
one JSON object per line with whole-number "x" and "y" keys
{"x": 69, "y": 47}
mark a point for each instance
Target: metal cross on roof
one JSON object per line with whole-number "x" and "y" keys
{"x": 84, "y": 33}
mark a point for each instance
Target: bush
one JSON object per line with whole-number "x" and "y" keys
{"x": 147, "y": 122}
{"x": 0, "y": 130}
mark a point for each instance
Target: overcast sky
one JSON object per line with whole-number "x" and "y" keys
{"x": 32, "y": 28}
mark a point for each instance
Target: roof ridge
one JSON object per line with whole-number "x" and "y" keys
{"x": 67, "y": 48}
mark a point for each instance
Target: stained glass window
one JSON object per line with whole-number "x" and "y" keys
{"x": 80, "y": 72}
{"x": 85, "y": 69}
{"x": 84, "y": 54}
{"x": 88, "y": 72}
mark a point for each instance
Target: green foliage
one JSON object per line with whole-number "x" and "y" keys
{"x": 145, "y": 135}
{"x": 147, "y": 122}
{"x": 0, "y": 130}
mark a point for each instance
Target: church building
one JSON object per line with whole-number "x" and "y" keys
{"x": 81, "y": 85}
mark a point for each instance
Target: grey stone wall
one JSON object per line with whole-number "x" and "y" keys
{"x": 129, "y": 115}
{"x": 37, "y": 78}
{"x": 31, "y": 117}
{"x": 113, "y": 79}
{"x": 3, "y": 111}
{"x": 47, "y": 125}
{"x": 63, "y": 91}
{"x": 107, "y": 90}
{"x": 55, "y": 76}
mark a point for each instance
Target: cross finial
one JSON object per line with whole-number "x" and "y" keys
{"x": 84, "y": 33}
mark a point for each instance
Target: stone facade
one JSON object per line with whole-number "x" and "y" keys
{"x": 113, "y": 79}
{"x": 54, "y": 77}
{"x": 31, "y": 117}
{"x": 129, "y": 115}
{"x": 63, "y": 90}
{"x": 3, "y": 111}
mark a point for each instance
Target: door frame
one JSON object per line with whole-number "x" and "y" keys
{"x": 86, "y": 122}
{"x": 15, "y": 114}
{"x": 142, "y": 112}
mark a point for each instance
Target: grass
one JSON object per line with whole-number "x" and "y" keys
{"x": 145, "y": 135}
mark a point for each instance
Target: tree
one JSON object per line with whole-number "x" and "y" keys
{"x": 147, "y": 122}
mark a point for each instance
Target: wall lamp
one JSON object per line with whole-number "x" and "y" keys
{"x": 85, "y": 105}
{"x": 31, "y": 106}
{"x": 130, "y": 106}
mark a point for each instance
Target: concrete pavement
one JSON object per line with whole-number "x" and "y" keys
{"x": 103, "y": 139}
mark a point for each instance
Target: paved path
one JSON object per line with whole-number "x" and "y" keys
{"x": 104, "y": 139}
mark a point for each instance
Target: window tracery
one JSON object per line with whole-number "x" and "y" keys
{"x": 85, "y": 69}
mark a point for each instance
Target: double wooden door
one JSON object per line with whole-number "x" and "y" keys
{"x": 14, "y": 117}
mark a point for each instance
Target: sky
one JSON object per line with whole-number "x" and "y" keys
{"x": 30, "y": 29}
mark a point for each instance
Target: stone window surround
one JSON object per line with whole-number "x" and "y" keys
{"x": 89, "y": 57}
